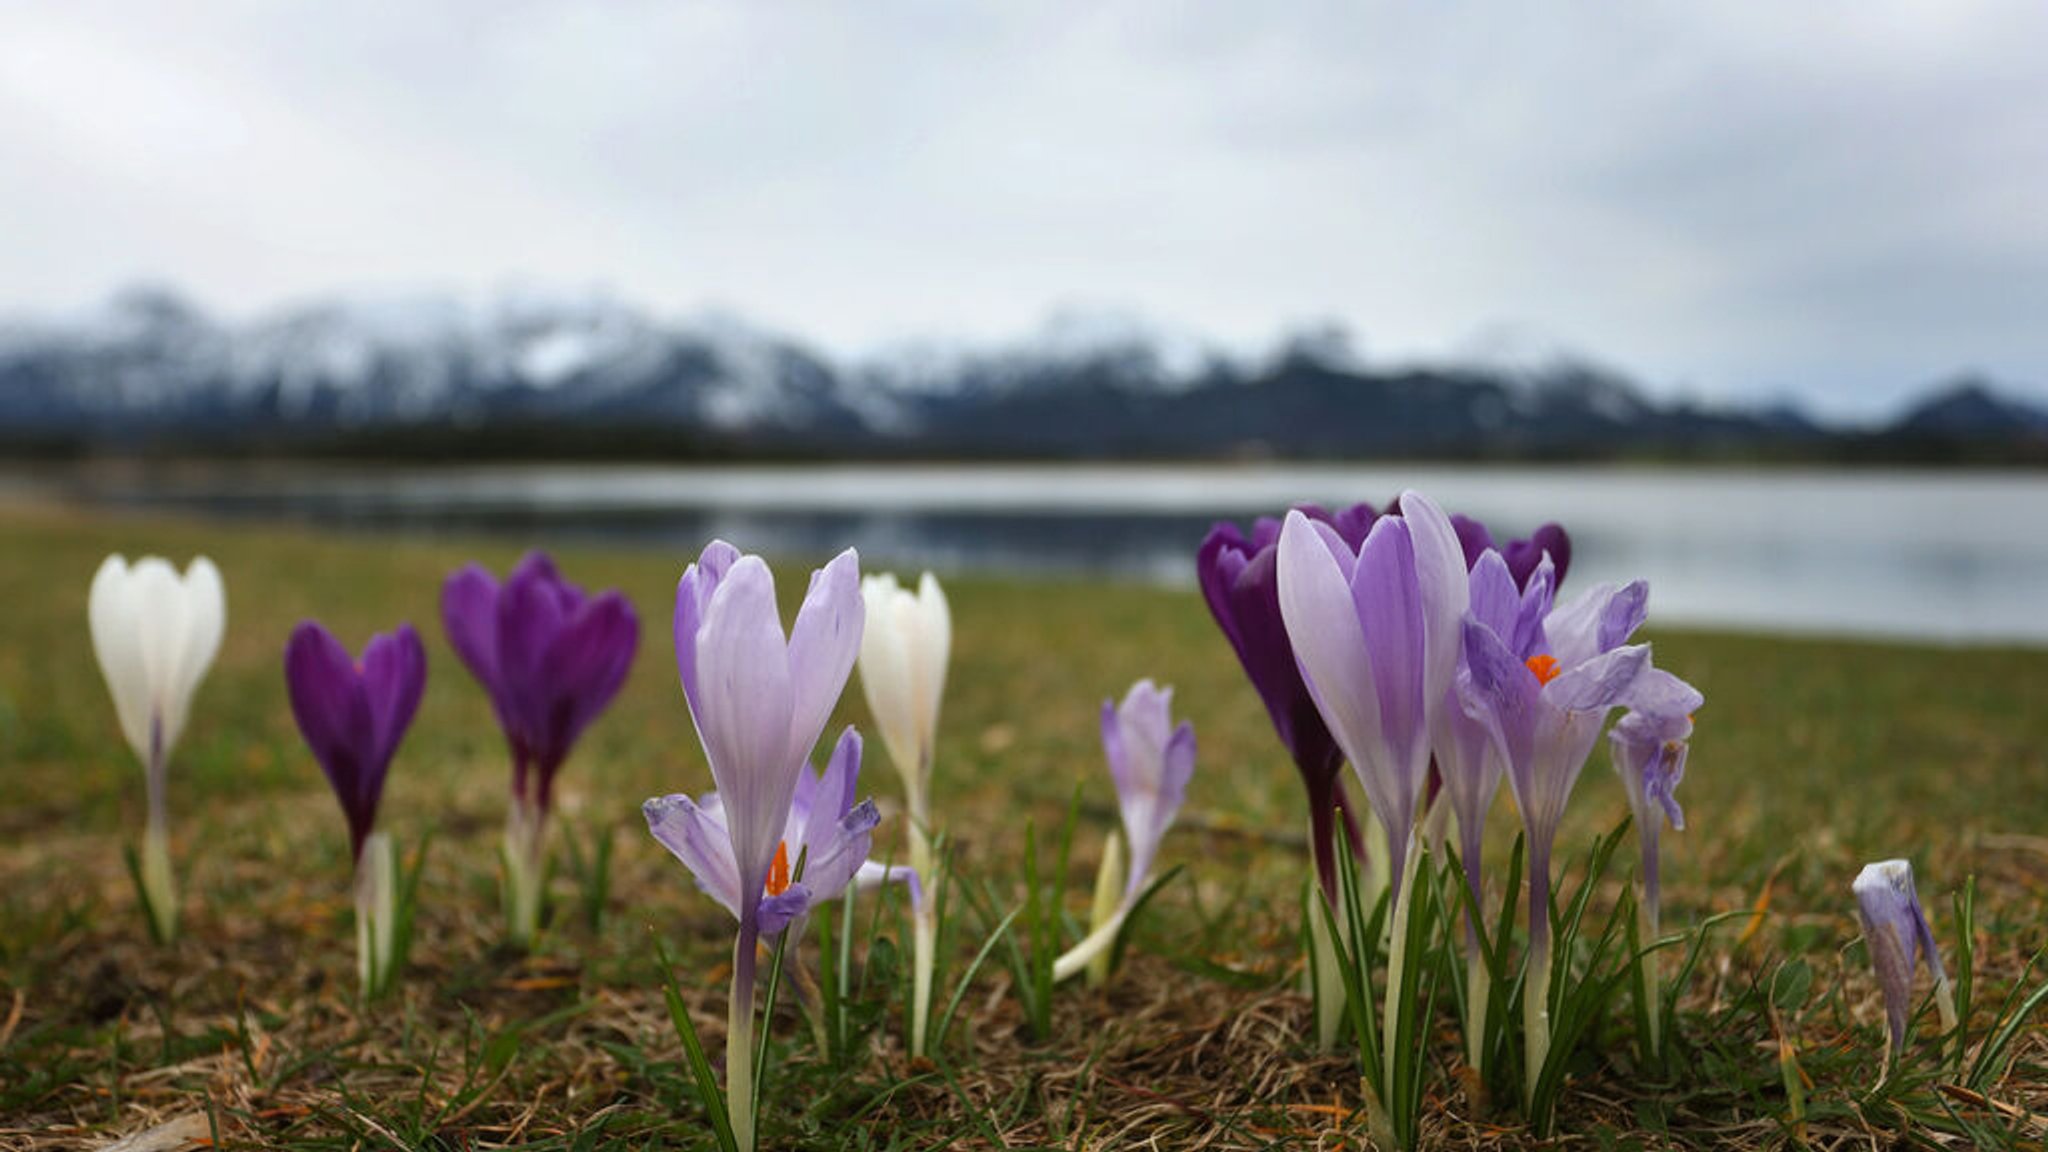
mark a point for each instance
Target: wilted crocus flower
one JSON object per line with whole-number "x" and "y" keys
{"x": 1649, "y": 747}
{"x": 760, "y": 703}
{"x": 1896, "y": 931}
{"x": 1240, "y": 581}
{"x": 156, "y": 634}
{"x": 1544, "y": 712}
{"x": 551, "y": 658}
{"x": 903, "y": 650}
{"x": 352, "y": 716}
{"x": 1150, "y": 761}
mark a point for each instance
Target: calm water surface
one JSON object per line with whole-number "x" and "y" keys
{"x": 1948, "y": 555}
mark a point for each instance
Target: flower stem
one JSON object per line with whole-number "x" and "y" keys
{"x": 1109, "y": 883}
{"x": 739, "y": 1040}
{"x": 159, "y": 889}
{"x": 924, "y": 938}
{"x": 376, "y": 914}
{"x": 1653, "y": 983}
{"x": 1478, "y": 994}
{"x": 525, "y": 869}
{"x": 1397, "y": 954}
{"x": 1536, "y": 986}
{"x": 1326, "y": 978}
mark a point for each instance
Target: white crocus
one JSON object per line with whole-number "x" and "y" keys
{"x": 155, "y": 634}
{"x": 903, "y": 653}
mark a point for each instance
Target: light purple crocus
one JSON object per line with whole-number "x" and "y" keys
{"x": 1150, "y": 762}
{"x": 1376, "y": 632}
{"x": 827, "y": 836}
{"x": 1649, "y": 747}
{"x": 1896, "y": 931}
{"x": 1544, "y": 712}
{"x": 760, "y": 702}
{"x": 352, "y": 715}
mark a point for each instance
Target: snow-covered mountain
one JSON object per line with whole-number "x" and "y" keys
{"x": 596, "y": 374}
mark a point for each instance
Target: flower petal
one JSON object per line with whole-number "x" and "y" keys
{"x": 693, "y": 598}
{"x": 700, "y": 841}
{"x": 469, "y": 615}
{"x": 743, "y": 715}
{"x": 1322, "y": 625}
{"x": 823, "y": 644}
{"x": 115, "y": 618}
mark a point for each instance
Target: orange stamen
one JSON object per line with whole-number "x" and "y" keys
{"x": 1545, "y": 668}
{"x": 778, "y": 872}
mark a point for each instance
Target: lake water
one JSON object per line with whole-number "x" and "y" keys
{"x": 1947, "y": 555}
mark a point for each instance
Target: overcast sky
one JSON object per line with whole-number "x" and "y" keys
{"x": 1835, "y": 201}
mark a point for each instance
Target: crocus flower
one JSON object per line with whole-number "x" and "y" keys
{"x": 825, "y": 830}
{"x": 903, "y": 649}
{"x": 1896, "y": 931}
{"x": 1150, "y": 762}
{"x": 1240, "y": 582}
{"x": 1522, "y": 556}
{"x": 760, "y": 702}
{"x": 352, "y": 716}
{"x": 1649, "y": 746}
{"x": 1544, "y": 712}
{"x": 1376, "y": 632}
{"x": 156, "y": 634}
{"x": 551, "y": 657}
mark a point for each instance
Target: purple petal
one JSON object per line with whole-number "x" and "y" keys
{"x": 693, "y": 596}
{"x": 469, "y": 614}
{"x": 584, "y": 669}
{"x": 834, "y": 856}
{"x": 780, "y": 910}
{"x": 1322, "y": 625}
{"x": 1389, "y": 604}
{"x": 334, "y": 716}
{"x": 394, "y": 677}
{"x": 1659, "y": 693}
{"x": 823, "y": 644}
{"x": 1473, "y": 539}
{"x": 1596, "y": 621}
{"x": 1600, "y": 683}
{"x": 743, "y": 715}
{"x": 1496, "y": 601}
{"x": 701, "y": 841}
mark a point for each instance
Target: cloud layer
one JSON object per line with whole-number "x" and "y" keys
{"x": 1837, "y": 201}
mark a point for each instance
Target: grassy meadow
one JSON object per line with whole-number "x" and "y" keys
{"x": 1812, "y": 757}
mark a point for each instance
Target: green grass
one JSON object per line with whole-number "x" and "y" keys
{"x": 1812, "y": 757}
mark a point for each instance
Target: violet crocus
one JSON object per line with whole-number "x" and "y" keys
{"x": 1150, "y": 762}
{"x": 759, "y": 702}
{"x": 1896, "y": 931}
{"x": 551, "y": 657}
{"x": 353, "y": 715}
{"x": 1240, "y": 582}
{"x": 1544, "y": 712}
{"x": 1522, "y": 556}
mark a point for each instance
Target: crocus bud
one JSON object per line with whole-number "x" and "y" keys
{"x": 1896, "y": 931}
{"x": 903, "y": 654}
{"x": 155, "y": 633}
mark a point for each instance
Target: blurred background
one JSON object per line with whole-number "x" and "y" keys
{"x": 1752, "y": 299}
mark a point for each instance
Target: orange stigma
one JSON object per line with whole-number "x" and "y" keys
{"x": 1545, "y": 668}
{"x": 778, "y": 871}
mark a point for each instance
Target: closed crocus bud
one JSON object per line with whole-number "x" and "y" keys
{"x": 903, "y": 653}
{"x": 1896, "y": 931}
{"x": 156, "y": 633}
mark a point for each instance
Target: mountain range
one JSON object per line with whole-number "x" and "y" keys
{"x": 150, "y": 371}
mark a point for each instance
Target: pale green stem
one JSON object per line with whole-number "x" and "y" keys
{"x": 1478, "y": 994}
{"x": 525, "y": 866}
{"x": 1074, "y": 960}
{"x": 739, "y": 1042}
{"x": 1109, "y": 884}
{"x": 376, "y": 913}
{"x": 159, "y": 889}
{"x": 1397, "y": 953}
{"x": 1536, "y": 990}
{"x": 1326, "y": 979}
{"x": 924, "y": 916}
{"x": 1653, "y": 979}
{"x": 1945, "y": 1003}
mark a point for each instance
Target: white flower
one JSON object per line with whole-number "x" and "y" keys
{"x": 155, "y": 634}
{"x": 903, "y": 654}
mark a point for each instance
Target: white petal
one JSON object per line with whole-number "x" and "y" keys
{"x": 206, "y": 610}
{"x": 115, "y": 622}
{"x": 886, "y": 676}
{"x": 934, "y": 647}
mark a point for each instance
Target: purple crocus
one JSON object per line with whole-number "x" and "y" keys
{"x": 1522, "y": 556}
{"x": 1649, "y": 747}
{"x": 551, "y": 657}
{"x": 1376, "y": 632}
{"x": 1896, "y": 931}
{"x": 760, "y": 702}
{"x": 1544, "y": 712}
{"x": 352, "y": 716}
{"x": 1150, "y": 762}
{"x": 1239, "y": 578}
